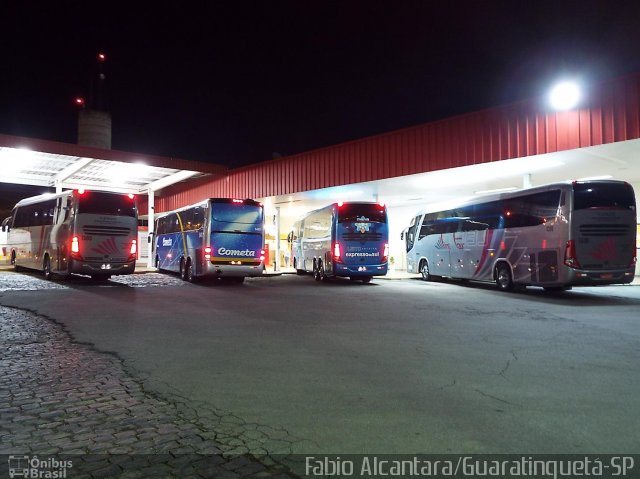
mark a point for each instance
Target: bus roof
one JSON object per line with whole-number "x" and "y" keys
{"x": 512, "y": 194}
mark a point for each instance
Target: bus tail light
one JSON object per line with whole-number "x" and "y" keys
{"x": 337, "y": 257}
{"x": 134, "y": 248}
{"x": 634, "y": 258}
{"x": 207, "y": 252}
{"x": 262, "y": 254}
{"x": 75, "y": 247}
{"x": 385, "y": 254}
{"x": 570, "y": 255}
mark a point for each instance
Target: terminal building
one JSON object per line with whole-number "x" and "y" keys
{"x": 498, "y": 149}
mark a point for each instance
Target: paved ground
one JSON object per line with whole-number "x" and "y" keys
{"x": 394, "y": 366}
{"x": 61, "y": 397}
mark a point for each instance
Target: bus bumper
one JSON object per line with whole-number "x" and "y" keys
{"x": 594, "y": 278}
{"x": 107, "y": 269}
{"x": 360, "y": 270}
{"x": 230, "y": 270}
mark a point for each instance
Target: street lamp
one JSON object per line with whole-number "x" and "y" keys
{"x": 565, "y": 95}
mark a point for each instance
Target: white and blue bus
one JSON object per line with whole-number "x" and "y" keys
{"x": 77, "y": 231}
{"x": 342, "y": 239}
{"x": 219, "y": 237}
{"x": 557, "y": 236}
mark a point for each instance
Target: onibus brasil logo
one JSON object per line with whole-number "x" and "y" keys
{"x": 33, "y": 467}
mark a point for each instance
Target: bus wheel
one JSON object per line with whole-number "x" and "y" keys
{"x": 424, "y": 270}
{"x": 46, "y": 268}
{"x": 504, "y": 279}
{"x": 189, "y": 276}
{"x": 319, "y": 275}
{"x": 157, "y": 261}
{"x": 183, "y": 273}
{"x": 366, "y": 279}
{"x": 295, "y": 266}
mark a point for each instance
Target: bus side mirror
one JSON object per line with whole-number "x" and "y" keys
{"x": 150, "y": 237}
{"x": 402, "y": 235}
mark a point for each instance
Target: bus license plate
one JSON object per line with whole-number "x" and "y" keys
{"x": 606, "y": 276}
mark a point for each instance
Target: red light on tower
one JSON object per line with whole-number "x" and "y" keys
{"x": 102, "y": 57}
{"x": 79, "y": 101}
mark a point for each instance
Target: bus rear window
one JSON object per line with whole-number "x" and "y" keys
{"x": 97, "y": 203}
{"x": 356, "y": 211}
{"x": 236, "y": 217}
{"x": 603, "y": 195}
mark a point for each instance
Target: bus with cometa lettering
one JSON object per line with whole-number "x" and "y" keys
{"x": 218, "y": 237}
{"x": 348, "y": 239}
{"x": 580, "y": 233}
{"x": 76, "y": 231}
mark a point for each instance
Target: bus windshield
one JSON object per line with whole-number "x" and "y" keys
{"x": 359, "y": 211}
{"x": 97, "y": 203}
{"x": 236, "y": 217}
{"x": 603, "y": 195}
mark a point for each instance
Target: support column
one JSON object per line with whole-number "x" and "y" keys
{"x": 151, "y": 238}
{"x": 277, "y": 265}
{"x": 526, "y": 180}
{"x": 58, "y": 186}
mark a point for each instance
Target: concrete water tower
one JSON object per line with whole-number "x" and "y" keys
{"x": 94, "y": 121}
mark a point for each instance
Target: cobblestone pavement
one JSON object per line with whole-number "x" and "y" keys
{"x": 58, "y": 397}
{"x": 33, "y": 281}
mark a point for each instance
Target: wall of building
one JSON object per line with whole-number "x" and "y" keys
{"x": 612, "y": 113}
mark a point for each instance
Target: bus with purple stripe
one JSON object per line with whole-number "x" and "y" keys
{"x": 580, "y": 233}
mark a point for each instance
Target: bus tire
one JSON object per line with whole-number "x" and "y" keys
{"x": 189, "y": 274}
{"x": 424, "y": 270}
{"x": 320, "y": 274}
{"x": 46, "y": 268}
{"x": 16, "y": 268}
{"x": 299, "y": 272}
{"x": 157, "y": 262}
{"x": 504, "y": 279}
{"x": 366, "y": 279}
{"x": 183, "y": 273}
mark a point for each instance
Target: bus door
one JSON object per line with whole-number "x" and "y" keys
{"x": 442, "y": 246}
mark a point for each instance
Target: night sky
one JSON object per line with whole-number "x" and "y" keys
{"x": 235, "y": 82}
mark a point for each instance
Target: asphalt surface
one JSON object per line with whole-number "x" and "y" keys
{"x": 389, "y": 367}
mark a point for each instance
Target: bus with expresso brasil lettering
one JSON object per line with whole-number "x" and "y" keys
{"x": 342, "y": 239}
{"x": 76, "y": 231}
{"x": 578, "y": 233}
{"x": 218, "y": 237}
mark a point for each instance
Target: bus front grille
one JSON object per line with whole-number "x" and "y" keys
{"x": 95, "y": 230}
{"x": 604, "y": 230}
{"x": 362, "y": 236}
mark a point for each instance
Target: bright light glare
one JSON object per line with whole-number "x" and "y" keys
{"x": 123, "y": 172}
{"x": 17, "y": 159}
{"x": 486, "y": 172}
{"x": 565, "y": 95}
